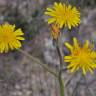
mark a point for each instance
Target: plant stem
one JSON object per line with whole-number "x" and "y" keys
{"x": 45, "y": 66}
{"x": 60, "y": 70}
{"x": 61, "y": 84}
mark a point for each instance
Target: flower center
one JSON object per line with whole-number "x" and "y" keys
{"x": 7, "y": 36}
{"x": 83, "y": 55}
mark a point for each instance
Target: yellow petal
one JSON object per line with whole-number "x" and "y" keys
{"x": 67, "y": 57}
{"x": 75, "y": 42}
{"x": 20, "y": 38}
{"x": 73, "y": 69}
{"x": 11, "y": 46}
{"x": 71, "y": 65}
{"x": 18, "y": 32}
{"x": 6, "y": 47}
{"x": 49, "y": 9}
{"x": 84, "y": 70}
{"x": 89, "y": 68}
{"x": 69, "y": 46}
{"x": 86, "y": 45}
{"x": 2, "y": 47}
{"x": 51, "y": 20}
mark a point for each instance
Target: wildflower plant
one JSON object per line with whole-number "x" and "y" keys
{"x": 62, "y": 15}
{"x": 80, "y": 57}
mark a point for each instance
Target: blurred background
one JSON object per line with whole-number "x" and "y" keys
{"x": 19, "y": 75}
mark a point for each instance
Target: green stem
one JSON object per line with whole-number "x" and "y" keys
{"x": 60, "y": 70}
{"x": 61, "y": 84}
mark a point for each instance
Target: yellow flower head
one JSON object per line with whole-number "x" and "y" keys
{"x": 9, "y": 37}
{"x": 81, "y": 57}
{"x": 63, "y": 15}
{"x": 55, "y": 31}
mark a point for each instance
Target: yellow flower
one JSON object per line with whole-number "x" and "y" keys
{"x": 55, "y": 31}
{"x": 9, "y": 37}
{"x": 81, "y": 57}
{"x": 63, "y": 15}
